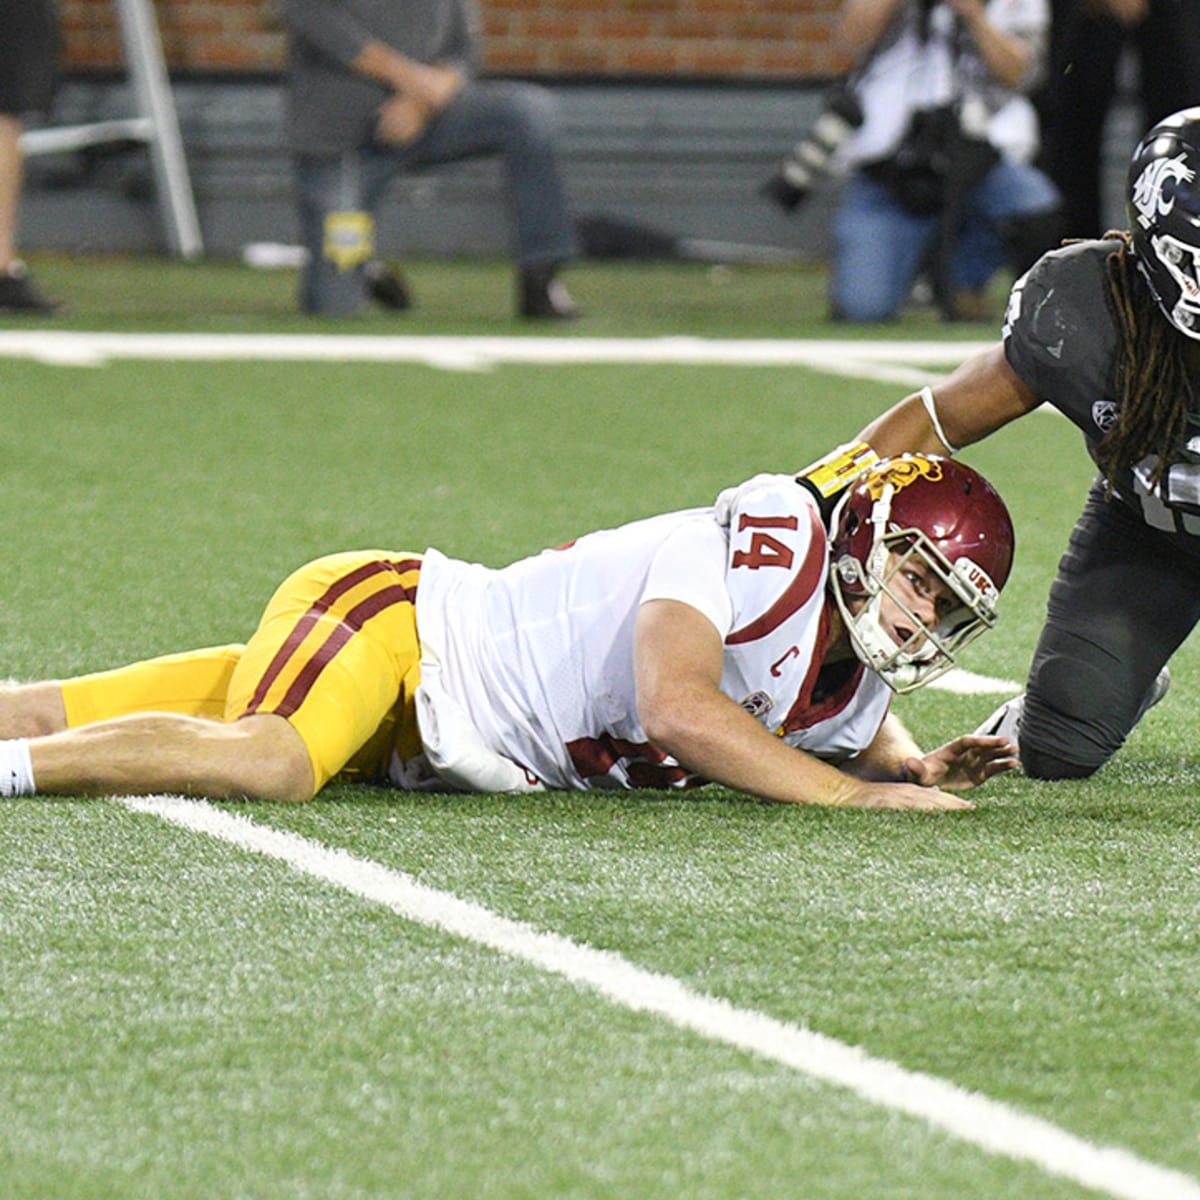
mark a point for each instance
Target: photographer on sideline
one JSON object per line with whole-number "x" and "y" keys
{"x": 941, "y": 176}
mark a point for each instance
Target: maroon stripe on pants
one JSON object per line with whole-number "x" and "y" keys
{"x": 316, "y": 610}
{"x": 328, "y": 650}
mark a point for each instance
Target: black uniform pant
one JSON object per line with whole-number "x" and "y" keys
{"x": 1124, "y": 599}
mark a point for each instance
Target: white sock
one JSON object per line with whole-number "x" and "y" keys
{"x": 16, "y": 769}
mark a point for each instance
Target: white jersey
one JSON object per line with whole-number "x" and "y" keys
{"x": 539, "y": 654}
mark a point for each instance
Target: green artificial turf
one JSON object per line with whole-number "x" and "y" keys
{"x": 183, "y": 1019}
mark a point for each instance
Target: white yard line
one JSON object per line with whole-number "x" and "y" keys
{"x": 907, "y": 364}
{"x": 987, "y": 1124}
{"x": 897, "y": 362}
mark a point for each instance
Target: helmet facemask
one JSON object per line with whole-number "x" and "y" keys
{"x": 859, "y": 588}
{"x": 1182, "y": 263}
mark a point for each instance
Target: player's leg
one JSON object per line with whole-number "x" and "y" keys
{"x": 193, "y": 684}
{"x": 260, "y": 758}
{"x": 156, "y": 725}
{"x": 337, "y": 656}
{"x": 31, "y": 709}
{"x": 1124, "y": 599}
{"x": 323, "y": 675}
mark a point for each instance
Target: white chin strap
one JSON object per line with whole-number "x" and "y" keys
{"x": 903, "y": 667}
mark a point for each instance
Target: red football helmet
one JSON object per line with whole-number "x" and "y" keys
{"x": 942, "y": 512}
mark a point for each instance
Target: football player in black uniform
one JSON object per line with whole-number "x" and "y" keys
{"x": 1108, "y": 332}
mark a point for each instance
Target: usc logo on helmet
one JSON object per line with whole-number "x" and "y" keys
{"x": 900, "y": 472}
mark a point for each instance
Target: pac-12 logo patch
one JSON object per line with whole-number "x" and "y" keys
{"x": 1152, "y": 197}
{"x": 1104, "y": 414}
{"x": 758, "y": 704}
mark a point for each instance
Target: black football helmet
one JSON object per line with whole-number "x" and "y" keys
{"x": 942, "y": 511}
{"x": 1163, "y": 206}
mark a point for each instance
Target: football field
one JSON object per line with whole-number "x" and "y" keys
{"x": 384, "y": 995}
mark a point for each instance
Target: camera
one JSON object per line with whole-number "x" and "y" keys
{"x": 807, "y": 163}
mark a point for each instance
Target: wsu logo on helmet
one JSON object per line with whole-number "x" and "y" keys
{"x": 900, "y": 472}
{"x": 1149, "y": 197}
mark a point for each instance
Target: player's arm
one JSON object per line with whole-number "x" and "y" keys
{"x": 886, "y": 756}
{"x": 678, "y": 656}
{"x": 980, "y": 396}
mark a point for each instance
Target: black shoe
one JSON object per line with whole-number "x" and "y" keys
{"x": 18, "y": 292}
{"x": 387, "y": 287}
{"x": 542, "y": 297}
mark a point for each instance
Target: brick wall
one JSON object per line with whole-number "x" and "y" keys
{"x": 706, "y": 39}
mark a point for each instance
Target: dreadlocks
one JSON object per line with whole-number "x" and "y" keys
{"x": 1150, "y": 379}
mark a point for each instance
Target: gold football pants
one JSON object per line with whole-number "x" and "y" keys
{"x": 336, "y": 654}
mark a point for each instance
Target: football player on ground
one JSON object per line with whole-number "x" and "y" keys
{"x": 755, "y": 643}
{"x": 1108, "y": 332}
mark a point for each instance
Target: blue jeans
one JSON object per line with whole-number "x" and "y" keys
{"x": 516, "y": 121}
{"x": 879, "y": 248}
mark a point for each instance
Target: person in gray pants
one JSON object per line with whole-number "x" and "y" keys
{"x": 379, "y": 87}
{"x": 28, "y": 69}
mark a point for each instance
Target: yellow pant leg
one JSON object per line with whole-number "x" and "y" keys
{"x": 336, "y": 653}
{"x": 193, "y": 684}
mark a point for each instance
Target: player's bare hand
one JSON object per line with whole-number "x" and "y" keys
{"x": 912, "y": 797}
{"x": 964, "y": 763}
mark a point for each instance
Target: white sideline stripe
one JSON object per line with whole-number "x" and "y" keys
{"x": 904, "y": 363}
{"x": 83, "y": 348}
{"x": 895, "y": 362}
{"x": 967, "y": 683}
{"x": 974, "y": 1118}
